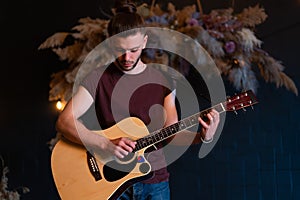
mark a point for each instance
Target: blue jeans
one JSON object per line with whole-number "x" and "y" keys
{"x": 143, "y": 191}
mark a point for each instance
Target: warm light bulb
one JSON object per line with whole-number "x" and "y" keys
{"x": 60, "y": 105}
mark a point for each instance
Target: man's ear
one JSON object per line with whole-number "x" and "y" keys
{"x": 145, "y": 41}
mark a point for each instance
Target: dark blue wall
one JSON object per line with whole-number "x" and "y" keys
{"x": 256, "y": 157}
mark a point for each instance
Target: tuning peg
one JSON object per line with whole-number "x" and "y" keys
{"x": 228, "y": 98}
{"x": 235, "y": 111}
{"x": 242, "y": 105}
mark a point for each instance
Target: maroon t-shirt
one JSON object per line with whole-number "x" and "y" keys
{"x": 118, "y": 96}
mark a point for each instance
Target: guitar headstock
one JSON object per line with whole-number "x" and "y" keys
{"x": 241, "y": 101}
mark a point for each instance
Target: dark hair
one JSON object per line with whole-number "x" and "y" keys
{"x": 126, "y": 20}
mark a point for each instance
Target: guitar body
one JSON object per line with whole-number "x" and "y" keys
{"x": 79, "y": 174}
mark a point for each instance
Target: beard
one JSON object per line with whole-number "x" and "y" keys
{"x": 121, "y": 64}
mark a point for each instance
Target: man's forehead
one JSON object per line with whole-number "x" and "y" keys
{"x": 130, "y": 41}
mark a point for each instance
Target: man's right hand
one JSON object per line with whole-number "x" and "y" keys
{"x": 122, "y": 146}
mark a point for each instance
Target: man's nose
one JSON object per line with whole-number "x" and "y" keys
{"x": 126, "y": 55}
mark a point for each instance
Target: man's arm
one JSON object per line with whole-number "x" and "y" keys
{"x": 72, "y": 129}
{"x": 68, "y": 123}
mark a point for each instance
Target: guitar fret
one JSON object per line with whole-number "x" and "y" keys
{"x": 182, "y": 125}
{"x": 157, "y": 136}
{"x": 161, "y": 137}
{"x": 188, "y": 122}
{"x": 138, "y": 145}
{"x": 168, "y": 131}
{"x": 219, "y": 107}
{"x": 193, "y": 119}
{"x": 163, "y": 131}
{"x": 150, "y": 140}
{"x": 173, "y": 128}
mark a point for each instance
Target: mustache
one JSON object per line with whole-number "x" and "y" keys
{"x": 127, "y": 62}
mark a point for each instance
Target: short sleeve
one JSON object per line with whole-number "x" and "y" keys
{"x": 90, "y": 82}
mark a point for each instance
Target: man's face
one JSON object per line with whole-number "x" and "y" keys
{"x": 128, "y": 50}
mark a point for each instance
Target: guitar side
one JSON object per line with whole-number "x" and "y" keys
{"x": 72, "y": 174}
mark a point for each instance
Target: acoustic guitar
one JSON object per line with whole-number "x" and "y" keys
{"x": 93, "y": 175}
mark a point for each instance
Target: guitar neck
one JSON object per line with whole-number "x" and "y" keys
{"x": 240, "y": 101}
{"x": 186, "y": 123}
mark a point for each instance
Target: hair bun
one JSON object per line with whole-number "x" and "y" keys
{"x": 126, "y": 8}
{"x": 125, "y": 18}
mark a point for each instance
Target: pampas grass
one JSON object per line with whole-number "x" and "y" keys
{"x": 5, "y": 193}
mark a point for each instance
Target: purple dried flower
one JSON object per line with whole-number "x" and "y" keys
{"x": 158, "y": 19}
{"x": 196, "y": 15}
{"x": 193, "y": 22}
{"x": 229, "y": 47}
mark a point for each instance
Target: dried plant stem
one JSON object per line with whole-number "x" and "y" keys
{"x": 200, "y": 7}
{"x": 152, "y": 5}
{"x": 232, "y": 3}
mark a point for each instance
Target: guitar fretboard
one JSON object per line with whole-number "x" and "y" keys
{"x": 164, "y": 133}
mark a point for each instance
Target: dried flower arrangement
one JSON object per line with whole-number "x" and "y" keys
{"x": 229, "y": 39}
{"x": 5, "y": 194}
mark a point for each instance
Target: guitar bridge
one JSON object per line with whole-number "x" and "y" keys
{"x": 93, "y": 167}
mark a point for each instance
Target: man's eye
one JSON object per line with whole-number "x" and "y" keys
{"x": 120, "y": 50}
{"x": 134, "y": 50}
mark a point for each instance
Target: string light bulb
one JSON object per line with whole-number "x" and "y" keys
{"x": 60, "y": 105}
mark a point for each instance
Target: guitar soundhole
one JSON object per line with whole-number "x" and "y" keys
{"x": 114, "y": 170}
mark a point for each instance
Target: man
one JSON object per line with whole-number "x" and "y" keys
{"x": 99, "y": 88}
